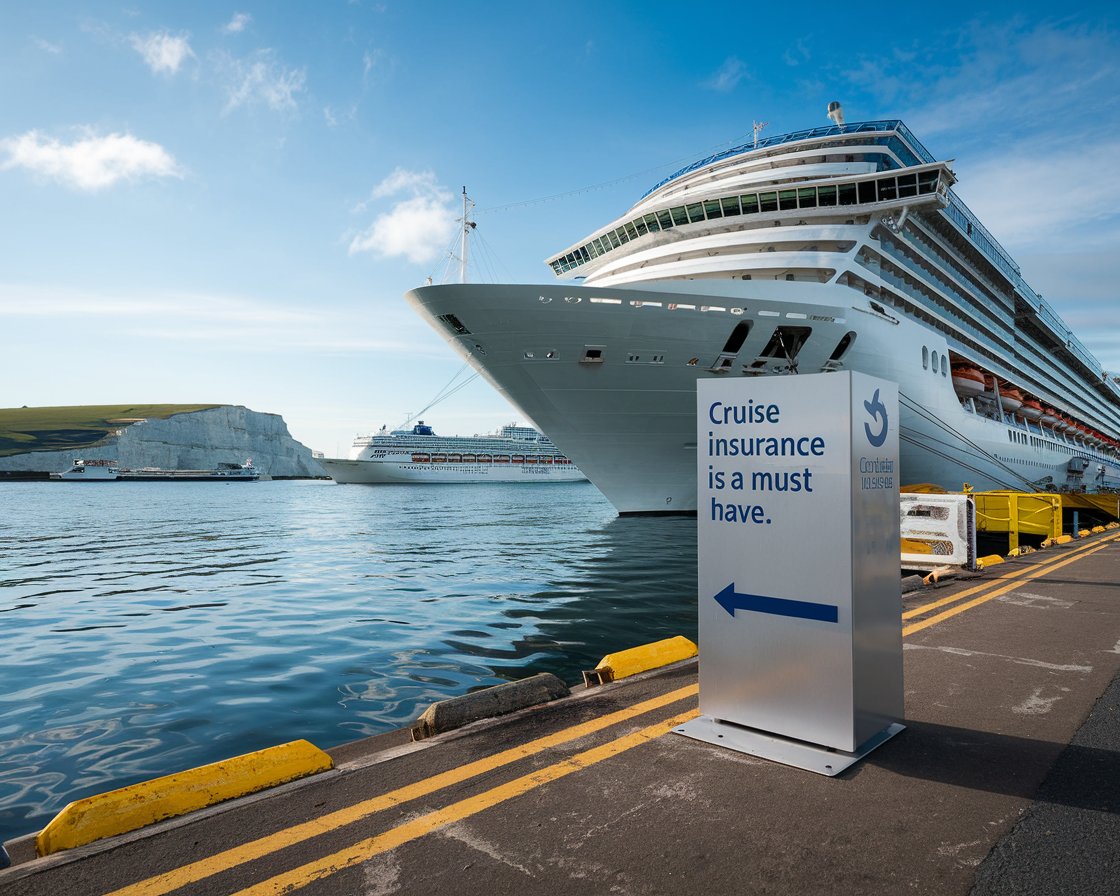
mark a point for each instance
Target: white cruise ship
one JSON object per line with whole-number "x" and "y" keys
{"x": 514, "y": 454}
{"x": 840, "y": 247}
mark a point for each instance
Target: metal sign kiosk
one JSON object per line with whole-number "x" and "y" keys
{"x": 799, "y": 606}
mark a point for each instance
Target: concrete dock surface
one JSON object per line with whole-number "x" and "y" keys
{"x": 1005, "y": 781}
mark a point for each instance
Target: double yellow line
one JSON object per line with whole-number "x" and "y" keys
{"x": 436, "y": 819}
{"x": 431, "y": 821}
{"x": 991, "y": 590}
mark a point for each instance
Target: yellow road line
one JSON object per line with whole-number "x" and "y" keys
{"x": 362, "y": 851}
{"x": 1011, "y": 586}
{"x": 440, "y": 818}
{"x": 255, "y": 849}
{"x": 1023, "y": 573}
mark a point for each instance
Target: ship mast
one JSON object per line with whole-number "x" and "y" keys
{"x": 468, "y": 226}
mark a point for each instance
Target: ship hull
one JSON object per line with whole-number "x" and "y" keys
{"x": 397, "y": 472}
{"x": 609, "y": 373}
{"x": 185, "y": 476}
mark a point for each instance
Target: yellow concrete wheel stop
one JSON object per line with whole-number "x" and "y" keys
{"x": 130, "y": 808}
{"x": 646, "y": 657}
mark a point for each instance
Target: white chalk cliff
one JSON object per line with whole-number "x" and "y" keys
{"x": 199, "y": 440}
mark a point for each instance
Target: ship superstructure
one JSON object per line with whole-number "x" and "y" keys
{"x": 839, "y": 247}
{"x": 417, "y": 454}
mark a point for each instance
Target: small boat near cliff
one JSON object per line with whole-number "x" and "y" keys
{"x": 90, "y": 471}
{"x": 111, "y": 471}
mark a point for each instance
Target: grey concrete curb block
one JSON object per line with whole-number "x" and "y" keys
{"x": 911, "y": 583}
{"x": 448, "y": 715}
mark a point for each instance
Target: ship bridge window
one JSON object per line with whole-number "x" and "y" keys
{"x": 847, "y": 194}
{"x": 826, "y": 196}
{"x": 454, "y": 323}
{"x": 695, "y": 212}
{"x": 730, "y": 205}
{"x": 887, "y": 189}
{"x": 665, "y": 219}
{"x": 680, "y": 216}
{"x": 651, "y": 223}
{"x": 713, "y": 209}
{"x": 807, "y": 197}
{"x": 866, "y": 189}
{"x": 787, "y": 199}
{"x": 907, "y": 185}
{"x": 927, "y": 182}
{"x": 750, "y": 204}
{"x": 768, "y": 202}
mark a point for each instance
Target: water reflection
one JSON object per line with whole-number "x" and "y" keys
{"x": 154, "y": 628}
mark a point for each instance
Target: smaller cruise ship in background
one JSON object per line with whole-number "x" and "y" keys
{"x": 110, "y": 471}
{"x": 514, "y": 454}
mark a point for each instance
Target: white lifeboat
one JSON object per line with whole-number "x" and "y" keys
{"x": 967, "y": 381}
{"x": 1010, "y": 398}
{"x": 1032, "y": 409}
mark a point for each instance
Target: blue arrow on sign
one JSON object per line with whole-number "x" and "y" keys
{"x": 732, "y": 600}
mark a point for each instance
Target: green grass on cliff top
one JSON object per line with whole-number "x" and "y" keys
{"x": 68, "y": 428}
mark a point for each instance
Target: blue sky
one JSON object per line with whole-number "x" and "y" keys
{"x": 225, "y": 202}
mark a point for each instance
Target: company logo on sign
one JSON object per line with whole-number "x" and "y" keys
{"x": 877, "y": 410}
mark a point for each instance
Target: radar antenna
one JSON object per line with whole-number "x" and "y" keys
{"x": 836, "y": 114}
{"x": 758, "y": 126}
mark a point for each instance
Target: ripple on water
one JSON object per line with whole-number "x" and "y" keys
{"x": 154, "y": 627}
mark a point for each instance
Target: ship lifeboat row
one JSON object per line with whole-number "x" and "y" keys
{"x": 420, "y": 457}
{"x": 972, "y": 382}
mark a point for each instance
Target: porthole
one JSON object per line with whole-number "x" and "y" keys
{"x": 925, "y": 358}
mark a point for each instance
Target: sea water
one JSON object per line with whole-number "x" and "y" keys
{"x": 146, "y": 628}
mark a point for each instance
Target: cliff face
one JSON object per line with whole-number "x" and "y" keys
{"x": 194, "y": 441}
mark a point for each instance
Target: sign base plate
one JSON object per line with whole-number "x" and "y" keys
{"x": 797, "y": 753}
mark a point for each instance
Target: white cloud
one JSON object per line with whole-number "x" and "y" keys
{"x": 261, "y": 79}
{"x": 238, "y": 23}
{"x": 229, "y": 321}
{"x": 91, "y": 162}
{"x": 796, "y": 54}
{"x": 1037, "y": 195}
{"x": 162, "y": 52}
{"x": 417, "y": 227}
{"x": 420, "y": 183}
{"x": 730, "y": 73}
{"x": 47, "y": 47}
{"x": 370, "y": 60}
{"x": 997, "y": 77}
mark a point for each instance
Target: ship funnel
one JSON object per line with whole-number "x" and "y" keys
{"x": 836, "y": 114}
